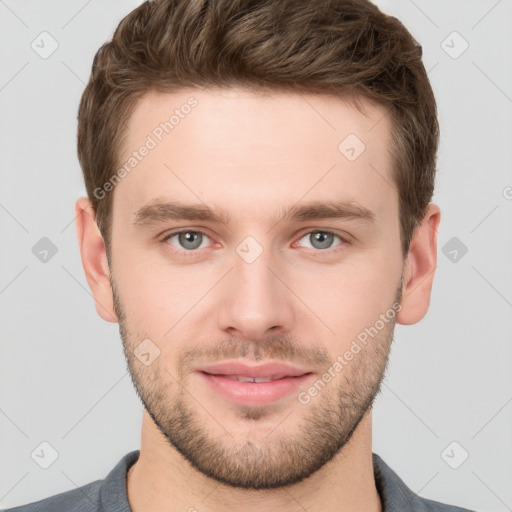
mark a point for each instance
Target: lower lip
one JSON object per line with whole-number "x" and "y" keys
{"x": 254, "y": 393}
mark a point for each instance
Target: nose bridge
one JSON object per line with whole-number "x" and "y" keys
{"x": 254, "y": 299}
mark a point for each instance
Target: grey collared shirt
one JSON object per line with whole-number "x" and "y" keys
{"x": 109, "y": 495}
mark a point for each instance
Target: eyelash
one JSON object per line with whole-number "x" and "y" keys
{"x": 316, "y": 253}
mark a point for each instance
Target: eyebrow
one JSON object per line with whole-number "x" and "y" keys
{"x": 159, "y": 211}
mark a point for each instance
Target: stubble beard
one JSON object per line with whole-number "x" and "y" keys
{"x": 283, "y": 457}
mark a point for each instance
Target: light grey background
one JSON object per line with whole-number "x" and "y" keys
{"x": 63, "y": 374}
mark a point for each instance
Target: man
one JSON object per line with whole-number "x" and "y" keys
{"x": 259, "y": 177}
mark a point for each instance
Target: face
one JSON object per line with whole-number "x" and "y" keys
{"x": 256, "y": 272}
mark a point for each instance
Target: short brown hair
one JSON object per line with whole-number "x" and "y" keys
{"x": 346, "y": 48}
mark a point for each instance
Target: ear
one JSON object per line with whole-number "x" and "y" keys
{"x": 94, "y": 259}
{"x": 420, "y": 268}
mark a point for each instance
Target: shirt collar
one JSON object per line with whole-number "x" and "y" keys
{"x": 395, "y": 496}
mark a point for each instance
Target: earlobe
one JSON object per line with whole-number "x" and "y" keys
{"x": 420, "y": 268}
{"x": 94, "y": 259}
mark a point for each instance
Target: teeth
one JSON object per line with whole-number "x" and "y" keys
{"x": 241, "y": 378}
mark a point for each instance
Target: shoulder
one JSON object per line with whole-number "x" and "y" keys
{"x": 396, "y": 496}
{"x": 436, "y": 506}
{"x": 108, "y": 495}
{"x": 82, "y": 499}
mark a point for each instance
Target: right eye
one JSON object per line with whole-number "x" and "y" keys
{"x": 187, "y": 240}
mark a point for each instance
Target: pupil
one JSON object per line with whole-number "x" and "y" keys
{"x": 189, "y": 240}
{"x": 322, "y": 240}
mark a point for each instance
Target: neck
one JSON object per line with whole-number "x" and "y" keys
{"x": 162, "y": 480}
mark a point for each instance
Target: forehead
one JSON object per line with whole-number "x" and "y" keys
{"x": 241, "y": 147}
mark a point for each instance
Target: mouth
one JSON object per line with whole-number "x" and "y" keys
{"x": 253, "y": 385}
{"x": 243, "y": 378}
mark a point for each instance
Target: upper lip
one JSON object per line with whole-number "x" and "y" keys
{"x": 267, "y": 370}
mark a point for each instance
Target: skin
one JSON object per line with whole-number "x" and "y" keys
{"x": 253, "y": 155}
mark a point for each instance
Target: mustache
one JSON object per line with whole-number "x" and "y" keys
{"x": 276, "y": 348}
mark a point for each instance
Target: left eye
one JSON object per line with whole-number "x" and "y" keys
{"x": 321, "y": 239}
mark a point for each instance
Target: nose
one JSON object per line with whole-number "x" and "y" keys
{"x": 255, "y": 300}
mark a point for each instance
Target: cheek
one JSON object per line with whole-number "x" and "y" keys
{"x": 352, "y": 297}
{"x": 154, "y": 295}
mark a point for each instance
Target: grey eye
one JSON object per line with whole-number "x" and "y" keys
{"x": 189, "y": 240}
{"x": 320, "y": 239}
